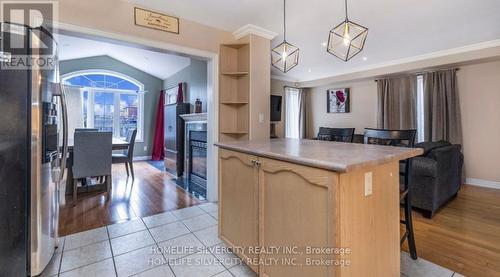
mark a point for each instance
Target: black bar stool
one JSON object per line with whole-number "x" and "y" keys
{"x": 401, "y": 138}
{"x": 336, "y": 134}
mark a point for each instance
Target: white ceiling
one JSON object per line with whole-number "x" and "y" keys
{"x": 158, "y": 64}
{"x": 397, "y": 28}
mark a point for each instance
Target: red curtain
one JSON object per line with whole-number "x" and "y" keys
{"x": 158, "y": 153}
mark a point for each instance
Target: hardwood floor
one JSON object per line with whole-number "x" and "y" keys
{"x": 150, "y": 193}
{"x": 464, "y": 236}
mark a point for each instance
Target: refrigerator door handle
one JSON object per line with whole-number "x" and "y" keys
{"x": 59, "y": 91}
{"x": 64, "y": 108}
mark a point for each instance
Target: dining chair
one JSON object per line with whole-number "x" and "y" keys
{"x": 336, "y": 134}
{"x": 342, "y": 134}
{"x": 86, "y": 130}
{"x": 401, "y": 138}
{"x": 92, "y": 157}
{"x": 128, "y": 155}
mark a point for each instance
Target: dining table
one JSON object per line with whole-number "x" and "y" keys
{"x": 117, "y": 144}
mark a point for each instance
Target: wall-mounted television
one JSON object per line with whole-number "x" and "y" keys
{"x": 275, "y": 108}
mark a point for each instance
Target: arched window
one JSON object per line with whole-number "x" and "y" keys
{"x": 110, "y": 101}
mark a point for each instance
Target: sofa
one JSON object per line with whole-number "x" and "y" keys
{"x": 436, "y": 176}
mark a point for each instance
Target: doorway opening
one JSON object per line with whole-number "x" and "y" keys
{"x": 115, "y": 85}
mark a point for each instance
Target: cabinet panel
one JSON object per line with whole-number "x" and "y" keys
{"x": 238, "y": 202}
{"x": 370, "y": 223}
{"x": 297, "y": 209}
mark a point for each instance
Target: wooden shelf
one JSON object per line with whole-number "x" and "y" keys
{"x": 235, "y": 58}
{"x": 233, "y": 102}
{"x": 234, "y": 120}
{"x": 236, "y": 73}
{"x": 235, "y": 132}
{"x": 234, "y": 89}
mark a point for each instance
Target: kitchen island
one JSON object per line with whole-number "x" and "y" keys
{"x": 311, "y": 208}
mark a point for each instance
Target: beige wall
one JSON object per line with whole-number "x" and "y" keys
{"x": 260, "y": 86}
{"x": 479, "y": 88}
{"x": 278, "y": 88}
{"x": 363, "y": 108}
{"x": 116, "y": 16}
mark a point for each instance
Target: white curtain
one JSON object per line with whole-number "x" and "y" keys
{"x": 75, "y": 109}
{"x": 295, "y": 113}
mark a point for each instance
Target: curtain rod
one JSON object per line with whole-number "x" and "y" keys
{"x": 175, "y": 86}
{"x": 418, "y": 73}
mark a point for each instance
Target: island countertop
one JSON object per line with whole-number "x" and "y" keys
{"x": 335, "y": 156}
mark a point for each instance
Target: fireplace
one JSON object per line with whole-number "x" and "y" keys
{"x": 194, "y": 179}
{"x": 198, "y": 157}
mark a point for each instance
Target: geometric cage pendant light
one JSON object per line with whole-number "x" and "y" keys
{"x": 347, "y": 39}
{"x": 285, "y": 56}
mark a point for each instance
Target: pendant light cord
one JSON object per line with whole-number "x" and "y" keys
{"x": 346, "y": 18}
{"x": 284, "y": 20}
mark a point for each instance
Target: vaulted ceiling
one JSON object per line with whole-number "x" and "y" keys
{"x": 398, "y": 29}
{"x": 160, "y": 65}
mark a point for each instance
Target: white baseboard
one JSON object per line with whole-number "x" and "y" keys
{"x": 482, "y": 183}
{"x": 142, "y": 158}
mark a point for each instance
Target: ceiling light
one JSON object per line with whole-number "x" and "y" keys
{"x": 365, "y": 58}
{"x": 346, "y": 39}
{"x": 309, "y": 70}
{"x": 285, "y": 56}
{"x": 323, "y": 44}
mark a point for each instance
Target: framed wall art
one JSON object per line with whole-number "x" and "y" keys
{"x": 338, "y": 100}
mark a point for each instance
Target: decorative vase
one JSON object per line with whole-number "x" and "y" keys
{"x": 197, "y": 106}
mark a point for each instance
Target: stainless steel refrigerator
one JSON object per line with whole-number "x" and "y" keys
{"x": 30, "y": 152}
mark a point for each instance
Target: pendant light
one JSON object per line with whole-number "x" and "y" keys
{"x": 347, "y": 39}
{"x": 285, "y": 56}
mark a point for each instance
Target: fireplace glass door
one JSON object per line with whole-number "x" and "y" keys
{"x": 199, "y": 159}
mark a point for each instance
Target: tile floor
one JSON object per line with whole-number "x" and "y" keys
{"x": 181, "y": 243}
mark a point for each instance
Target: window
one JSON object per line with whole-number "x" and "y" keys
{"x": 292, "y": 109}
{"x": 110, "y": 101}
{"x": 420, "y": 109}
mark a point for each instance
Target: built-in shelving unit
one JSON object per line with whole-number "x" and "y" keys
{"x": 244, "y": 89}
{"x": 234, "y": 91}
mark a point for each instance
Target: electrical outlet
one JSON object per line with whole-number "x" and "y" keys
{"x": 261, "y": 118}
{"x": 368, "y": 183}
{"x": 145, "y": 148}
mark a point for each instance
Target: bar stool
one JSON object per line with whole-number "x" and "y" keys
{"x": 401, "y": 138}
{"x": 336, "y": 134}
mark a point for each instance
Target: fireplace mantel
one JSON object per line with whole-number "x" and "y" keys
{"x": 198, "y": 117}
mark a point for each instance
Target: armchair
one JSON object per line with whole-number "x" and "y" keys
{"x": 436, "y": 176}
